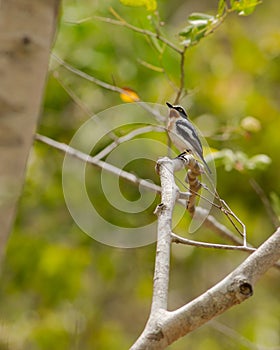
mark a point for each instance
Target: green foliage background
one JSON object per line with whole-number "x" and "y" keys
{"x": 61, "y": 289}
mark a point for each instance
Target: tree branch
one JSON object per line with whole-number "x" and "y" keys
{"x": 121, "y": 22}
{"x": 186, "y": 241}
{"x": 109, "y": 87}
{"x": 164, "y": 211}
{"x": 139, "y": 131}
{"x": 232, "y": 290}
{"x": 182, "y": 76}
{"x": 210, "y": 222}
{"x": 270, "y": 211}
{"x": 98, "y": 163}
{"x": 164, "y": 327}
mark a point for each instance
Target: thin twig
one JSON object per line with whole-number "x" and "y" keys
{"x": 237, "y": 337}
{"x": 110, "y": 87}
{"x": 224, "y": 207}
{"x": 72, "y": 94}
{"x": 79, "y": 21}
{"x": 194, "y": 187}
{"x": 121, "y": 22}
{"x": 230, "y": 213}
{"x": 209, "y": 222}
{"x": 178, "y": 239}
{"x": 214, "y": 225}
{"x": 150, "y": 66}
{"x": 90, "y": 77}
{"x": 182, "y": 76}
{"x": 80, "y": 103}
{"x": 140, "y": 131}
{"x": 270, "y": 211}
{"x": 98, "y": 163}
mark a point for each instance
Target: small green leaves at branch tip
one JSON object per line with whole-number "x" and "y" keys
{"x": 200, "y": 24}
{"x": 244, "y": 7}
{"x": 240, "y": 160}
{"x": 221, "y": 7}
{"x": 150, "y": 5}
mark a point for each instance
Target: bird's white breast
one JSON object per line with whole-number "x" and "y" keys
{"x": 176, "y": 139}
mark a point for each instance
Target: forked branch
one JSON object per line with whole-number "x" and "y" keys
{"x": 164, "y": 327}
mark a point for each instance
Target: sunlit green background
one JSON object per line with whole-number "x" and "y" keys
{"x": 60, "y": 289}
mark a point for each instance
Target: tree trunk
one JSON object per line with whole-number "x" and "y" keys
{"x": 27, "y": 28}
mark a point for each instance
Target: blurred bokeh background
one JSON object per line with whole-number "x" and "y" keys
{"x": 61, "y": 289}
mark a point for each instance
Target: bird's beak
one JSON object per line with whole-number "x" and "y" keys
{"x": 169, "y": 105}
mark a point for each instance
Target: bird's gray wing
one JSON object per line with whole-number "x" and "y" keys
{"x": 188, "y": 132}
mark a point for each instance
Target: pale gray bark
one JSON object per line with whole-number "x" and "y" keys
{"x": 27, "y": 28}
{"x": 164, "y": 326}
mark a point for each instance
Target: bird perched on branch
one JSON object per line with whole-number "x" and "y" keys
{"x": 183, "y": 134}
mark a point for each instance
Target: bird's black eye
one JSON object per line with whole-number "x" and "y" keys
{"x": 180, "y": 109}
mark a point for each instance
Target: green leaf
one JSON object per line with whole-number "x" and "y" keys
{"x": 260, "y": 161}
{"x": 221, "y": 7}
{"x": 244, "y": 7}
{"x": 195, "y": 31}
{"x": 193, "y": 34}
{"x": 150, "y": 5}
{"x": 240, "y": 160}
{"x": 197, "y": 18}
{"x": 186, "y": 32}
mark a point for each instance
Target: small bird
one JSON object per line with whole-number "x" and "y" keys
{"x": 183, "y": 134}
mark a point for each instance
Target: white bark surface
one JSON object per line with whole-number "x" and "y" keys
{"x": 164, "y": 326}
{"x": 27, "y": 28}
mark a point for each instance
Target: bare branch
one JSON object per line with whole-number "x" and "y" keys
{"x": 73, "y": 95}
{"x": 225, "y": 209}
{"x": 212, "y": 224}
{"x": 121, "y": 22}
{"x": 164, "y": 211}
{"x": 110, "y": 87}
{"x": 217, "y": 227}
{"x": 186, "y": 241}
{"x": 209, "y": 222}
{"x": 232, "y": 290}
{"x": 270, "y": 211}
{"x": 229, "y": 213}
{"x": 150, "y": 66}
{"x": 164, "y": 327}
{"x": 98, "y": 163}
{"x": 89, "y": 77}
{"x": 182, "y": 76}
{"x": 237, "y": 337}
{"x": 127, "y": 137}
{"x": 79, "y": 103}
